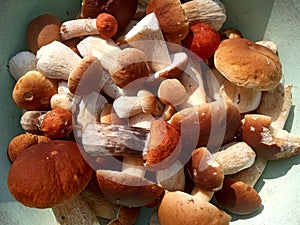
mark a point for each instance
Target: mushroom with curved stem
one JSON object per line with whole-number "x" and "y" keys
{"x": 150, "y": 104}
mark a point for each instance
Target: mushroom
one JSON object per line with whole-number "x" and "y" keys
{"x": 179, "y": 208}
{"x": 269, "y": 44}
{"x": 55, "y": 165}
{"x": 171, "y": 17}
{"x": 92, "y": 8}
{"x": 150, "y": 104}
{"x": 21, "y": 63}
{"x": 211, "y": 12}
{"x": 22, "y": 141}
{"x": 210, "y": 124}
{"x": 130, "y": 66}
{"x": 268, "y": 142}
{"x": 234, "y": 157}
{"x": 147, "y": 36}
{"x": 107, "y": 25}
{"x": 87, "y": 76}
{"x": 41, "y": 31}
{"x": 78, "y": 28}
{"x": 31, "y": 121}
{"x": 56, "y": 60}
{"x": 57, "y": 123}
{"x": 247, "y": 64}
{"x": 109, "y": 116}
{"x": 159, "y": 146}
{"x": 127, "y": 106}
{"x": 33, "y": 91}
{"x": 245, "y": 99}
{"x": 238, "y": 197}
{"x": 229, "y": 32}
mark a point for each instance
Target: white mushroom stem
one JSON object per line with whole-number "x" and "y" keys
{"x": 22, "y": 63}
{"x": 172, "y": 178}
{"x": 78, "y": 28}
{"x": 75, "y": 211}
{"x": 147, "y": 37}
{"x": 62, "y": 87}
{"x": 127, "y": 106}
{"x": 56, "y": 60}
{"x": 104, "y": 49}
{"x": 31, "y": 121}
{"x": 269, "y": 44}
{"x": 65, "y": 101}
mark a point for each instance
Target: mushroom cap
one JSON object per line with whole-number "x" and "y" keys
{"x": 42, "y": 30}
{"x": 127, "y": 190}
{"x": 33, "y": 91}
{"x": 122, "y": 10}
{"x": 179, "y": 208}
{"x": 57, "y": 123}
{"x": 48, "y": 173}
{"x": 164, "y": 146}
{"x": 207, "y": 173}
{"x": 130, "y": 66}
{"x": 247, "y": 64}
{"x": 172, "y": 92}
{"x": 86, "y": 77}
{"x": 21, "y": 142}
{"x": 171, "y": 17}
{"x": 238, "y": 197}
{"x": 212, "y": 124}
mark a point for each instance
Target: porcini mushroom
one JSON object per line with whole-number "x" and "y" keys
{"x": 55, "y": 165}
{"x": 247, "y": 64}
{"x": 33, "y": 91}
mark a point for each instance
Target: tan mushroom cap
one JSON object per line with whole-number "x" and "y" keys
{"x": 21, "y": 142}
{"x": 48, "y": 173}
{"x": 238, "y": 197}
{"x": 171, "y": 17}
{"x": 172, "y": 92}
{"x": 247, "y": 64}
{"x": 207, "y": 173}
{"x": 164, "y": 146}
{"x": 33, "y": 91}
{"x": 86, "y": 77}
{"x": 42, "y": 30}
{"x": 179, "y": 208}
{"x": 127, "y": 190}
{"x": 130, "y": 66}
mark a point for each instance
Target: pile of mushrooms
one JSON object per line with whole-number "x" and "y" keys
{"x": 118, "y": 115}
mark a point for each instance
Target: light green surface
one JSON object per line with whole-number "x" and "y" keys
{"x": 273, "y": 20}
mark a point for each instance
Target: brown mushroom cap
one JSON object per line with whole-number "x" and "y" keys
{"x": 217, "y": 123}
{"x": 179, "y": 208}
{"x": 122, "y": 10}
{"x": 130, "y": 66}
{"x": 164, "y": 146}
{"x": 42, "y": 30}
{"x": 127, "y": 190}
{"x": 247, "y": 64}
{"x": 21, "y": 142}
{"x": 238, "y": 197}
{"x": 86, "y": 77}
{"x": 171, "y": 17}
{"x": 207, "y": 173}
{"x": 33, "y": 91}
{"x": 48, "y": 173}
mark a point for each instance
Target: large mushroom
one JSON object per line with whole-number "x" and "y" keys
{"x": 49, "y": 173}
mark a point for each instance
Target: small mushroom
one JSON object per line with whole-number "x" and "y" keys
{"x": 21, "y": 63}
{"x": 179, "y": 208}
{"x": 130, "y": 66}
{"x": 238, "y": 197}
{"x": 228, "y": 33}
{"x": 33, "y": 91}
{"x": 172, "y": 92}
{"x": 41, "y": 31}
{"x": 55, "y": 165}
{"x": 171, "y": 17}
{"x": 149, "y": 103}
{"x": 127, "y": 106}
{"x": 31, "y": 121}
{"x": 107, "y": 25}
{"x": 22, "y": 141}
